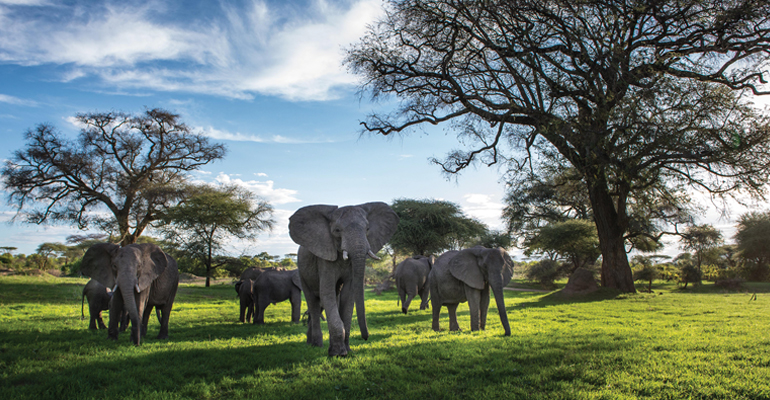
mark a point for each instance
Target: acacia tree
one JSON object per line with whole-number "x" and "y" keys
{"x": 574, "y": 241}
{"x": 202, "y": 223}
{"x": 701, "y": 239}
{"x": 751, "y": 238}
{"x": 429, "y": 227}
{"x": 637, "y": 96}
{"x": 132, "y": 165}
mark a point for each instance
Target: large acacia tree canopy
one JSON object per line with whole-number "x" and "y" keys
{"x": 639, "y": 97}
{"x": 132, "y": 165}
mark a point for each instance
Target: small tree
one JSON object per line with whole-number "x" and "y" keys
{"x": 701, "y": 239}
{"x": 752, "y": 239}
{"x": 132, "y": 166}
{"x": 202, "y": 223}
{"x": 574, "y": 241}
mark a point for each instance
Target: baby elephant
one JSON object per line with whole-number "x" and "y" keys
{"x": 276, "y": 286}
{"x": 245, "y": 290}
{"x": 412, "y": 279}
{"x": 98, "y": 300}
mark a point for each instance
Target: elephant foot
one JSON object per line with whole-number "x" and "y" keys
{"x": 404, "y": 310}
{"x": 338, "y": 352}
{"x": 163, "y": 336}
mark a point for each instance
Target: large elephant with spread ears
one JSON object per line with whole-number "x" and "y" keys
{"x": 334, "y": 244}
{"x": 142, "y": 277}
{"x": 467, "y": 275}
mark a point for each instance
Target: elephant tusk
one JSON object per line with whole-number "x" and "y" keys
{"x": 344, "y": 255}
{"x": 374, "y": 256}
{"x": 137, "y": 288}
{"x": 115, "y": 288}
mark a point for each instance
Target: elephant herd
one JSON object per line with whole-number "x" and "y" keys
{"x": 334, "y": 243}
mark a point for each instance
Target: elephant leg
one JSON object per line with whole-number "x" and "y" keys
{"x": 423, "y": 299}
{"x": 165, "y": 314}
{"x": 328, "y": 288}
{"x": 146, "y": 319}
{"x": 402, "y": 297}
{"x": 452, "y": 308}
{"x": 474, "y": 302}
{"x": 244, "y": 306}
{"x": 405, "y": 304}
{"x": 484, "y": 307}
{"x": 99, "y": 320}
{"x": 346, "y": 311}
{"x": 117, "y": 312}
{"x": 262, "y": 302}
{"x": 296, "y": 303}
{"x": 314, "y": 335}
{"x": 436, "y": 313}
{"x": 124, "y": 320}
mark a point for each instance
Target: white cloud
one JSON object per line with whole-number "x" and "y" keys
{"x": 4, "y": 98}
{"x": 261, "y": 174}
{"x": 268, "y": 49}
{"x": 245, "y": 137}
{"x": 482, "y": 206}
{"x": 266, "y": 189}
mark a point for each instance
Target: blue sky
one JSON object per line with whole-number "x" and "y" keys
{"x": 263, "y": 77}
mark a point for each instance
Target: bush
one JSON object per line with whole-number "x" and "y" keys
{"x": 688, "y": 273}
{"x": 545, "y": 272}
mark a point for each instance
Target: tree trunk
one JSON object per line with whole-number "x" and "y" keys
{"x": 611, "y": 227}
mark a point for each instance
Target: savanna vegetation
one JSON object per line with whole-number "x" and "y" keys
{"x": 706, "y": 343}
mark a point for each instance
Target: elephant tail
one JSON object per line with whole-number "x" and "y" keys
{"x": 82, "y": 301}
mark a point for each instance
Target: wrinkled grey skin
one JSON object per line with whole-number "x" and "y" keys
{"x": 326, "y": 234}
{"x": 467, "y": 275}
{"x": 412, "y": 279}
{"x": 98, "y": 300}
{"x": 144, "y": 277}
{"x": 245, "y": 289}
{"x": 275, "y": 287}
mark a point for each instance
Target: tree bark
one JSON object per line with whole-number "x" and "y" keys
{"x": 611, "y": 227}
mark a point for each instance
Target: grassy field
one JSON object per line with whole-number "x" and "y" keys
{"x": 699, "y": 344}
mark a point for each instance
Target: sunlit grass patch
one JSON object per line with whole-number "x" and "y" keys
{"x": 703, "y": 343}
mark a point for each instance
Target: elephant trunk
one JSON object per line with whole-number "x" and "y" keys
{"x": 359, "y": 267}
{"x": 127, "y": 287}
{"x": 497, "y": 289}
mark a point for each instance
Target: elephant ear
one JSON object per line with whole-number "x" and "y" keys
{"x": 295, "y": 279}
{"x": 309, "y": 227}
{"x": 466, "y": 266}
{"x": 97, "y": 263}
{"x": 383, "y": 222}
{"x": 154, "y": 262}
{"x": 507, "y": 270}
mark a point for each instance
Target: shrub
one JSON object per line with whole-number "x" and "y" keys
{"x": 545, "y": 272}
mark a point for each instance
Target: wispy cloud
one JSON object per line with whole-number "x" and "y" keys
{"x": 4, "y": 98}
{"x": 247, "y": 137}
{"x": 284, "y": 49}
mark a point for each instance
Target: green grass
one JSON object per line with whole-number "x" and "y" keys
{"x": 697, "y": 344}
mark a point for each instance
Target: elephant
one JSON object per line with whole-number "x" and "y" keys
{"x": 412, "y": 279}
{"x": 467, "y": 275}
{"x": 143, "y": 277}
{"x": 253, "y": 273}
{"x": 245, "y": 289}
{"x": 98, "y": 300}
{"x": 276, "y": 286}
{"x": 334, "y": 244}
